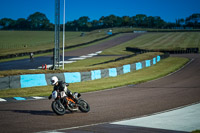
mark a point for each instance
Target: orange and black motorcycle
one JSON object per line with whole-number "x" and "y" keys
{"x": 60, "y": 105}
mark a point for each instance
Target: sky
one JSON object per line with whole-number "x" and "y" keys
{"x": 168, "y": 10}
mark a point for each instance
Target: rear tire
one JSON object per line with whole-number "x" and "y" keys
{"x": 84, "y": 106}
{"x": 58, "y": 108}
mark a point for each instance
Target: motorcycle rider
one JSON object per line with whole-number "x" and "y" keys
{"x": 61, "y": 87}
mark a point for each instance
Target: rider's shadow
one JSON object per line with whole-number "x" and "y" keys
{"x": 35, "y": 112}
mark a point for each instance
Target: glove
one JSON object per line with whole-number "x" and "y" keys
{"x": 49, "y": 97}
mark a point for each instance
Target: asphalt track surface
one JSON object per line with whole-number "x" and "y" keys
{"x": 39, "y": 61}
{"x": 178, "y": 89}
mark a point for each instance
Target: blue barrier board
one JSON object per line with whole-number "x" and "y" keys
{"x": 138, "y": 66}
{"x": 72, "y": 77}
{"x": 96, "y": 74}
{"x": 127, "y": 68}
{"x": 148, "y": 63}
{"x": 154, "y": 60}
{"x": 19, "y": 98}
{"x": 158, "y": 58}
{"x": 112, "y": 72}
{"x": 31, "y": 80}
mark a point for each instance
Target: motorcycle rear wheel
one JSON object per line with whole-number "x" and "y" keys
{"x": 84, "y": 106}
{"x": 58, "y": 108}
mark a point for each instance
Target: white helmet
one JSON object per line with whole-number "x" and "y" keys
{"x": 54, "y": 80}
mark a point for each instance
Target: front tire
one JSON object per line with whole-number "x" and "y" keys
{"x": 58, "y": 108}
{"x": 84, "y": 106}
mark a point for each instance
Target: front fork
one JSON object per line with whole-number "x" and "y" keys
{"x": 59, "y": 103}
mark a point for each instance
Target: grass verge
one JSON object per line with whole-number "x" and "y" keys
{"x": 196, "y": 131}
{"x": 68, "y": 49}
{"x": 86, "y": 65}
{"x": 162, "y": 68}
{"x": 167, "y": 41}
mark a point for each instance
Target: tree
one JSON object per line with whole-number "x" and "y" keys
{"x": 38, "y": 21}
{"x": 150, "y": 22}
{"x": 140, "y": 20}
{"x": 111, "y": 21}
{"x": 125, "y": 21}
{"x": 118, "y": 21}
{"x": 21, "y": 24}
{"x": 133, "y": 21}
{"x": 7, "y": 23}
{"x": 82, "y": 21}
{"x": 95, "y": 23}
{"x": 193, "y": 20}
{"x": 159, "y": 23}
{"x": 180, "y": 22}
{"x": 101, "y": 21}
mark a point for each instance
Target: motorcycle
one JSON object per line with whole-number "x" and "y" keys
{"x": 60, "y": 105}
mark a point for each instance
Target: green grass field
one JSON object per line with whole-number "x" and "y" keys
{"x": 86, "y": 65}
{"x": 29, "y": 40}
{"x": 162, "y": 68}
{"x": 167, "y": 40}
{"x": 12, "y": 42}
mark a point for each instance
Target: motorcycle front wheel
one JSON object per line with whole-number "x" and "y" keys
{"x": 84, "y": 106}
{"x": 58, "y": 108}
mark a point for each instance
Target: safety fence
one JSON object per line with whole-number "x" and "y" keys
{"x": 31, "y": 80}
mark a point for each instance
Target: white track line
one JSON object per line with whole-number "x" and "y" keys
{"x": 39, "y": 98}
{"x": 67, "y": 62}
{"x": 86, "y": 56}
{"x": 92, "y": 54}
{"x": 72, "y": 60}
{"x": 2, "y": 100}
{"x": 78, "y": 58}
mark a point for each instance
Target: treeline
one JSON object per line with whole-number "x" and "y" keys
{"x": 39, "y": 21}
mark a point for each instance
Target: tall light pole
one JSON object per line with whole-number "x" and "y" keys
{"x": 56, "y": 55}
{"x": 63, "y": 35}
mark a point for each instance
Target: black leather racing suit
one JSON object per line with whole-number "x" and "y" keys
{"x": 61, "y": 87}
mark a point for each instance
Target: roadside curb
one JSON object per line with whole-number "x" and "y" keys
{"x": 14, "y": 99}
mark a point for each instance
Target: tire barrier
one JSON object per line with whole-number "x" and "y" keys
{"x": 177, "y": 51}
{"x": 32, "y": 80}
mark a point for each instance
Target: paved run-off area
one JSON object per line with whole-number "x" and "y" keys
{"x": 182, "y": 119}
{"x": 179, "y": 120}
